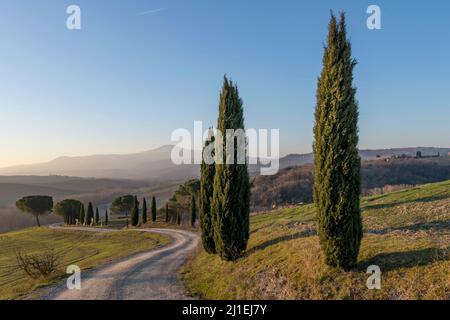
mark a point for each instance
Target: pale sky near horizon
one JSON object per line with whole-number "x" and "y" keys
{"x": 137, "y": 70}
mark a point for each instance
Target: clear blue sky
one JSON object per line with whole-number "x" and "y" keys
{"x": 125, "y": 81}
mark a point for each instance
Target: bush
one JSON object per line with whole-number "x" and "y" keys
{"x": 38, "y": 265}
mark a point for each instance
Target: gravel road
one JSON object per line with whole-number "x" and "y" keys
{"x": 152, "y": 275}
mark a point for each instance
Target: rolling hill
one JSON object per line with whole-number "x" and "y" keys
{"x": 407, "y": 234}
{"x": 98, "y": 191}
{"x": 157, "y": 164}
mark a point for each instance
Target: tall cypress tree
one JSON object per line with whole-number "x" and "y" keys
{"x": 89, "y": 214}
{"x": 179, "y": 217}
{"x": 231, "y": 197}
{"x": 205, "y": 197}
{"x": 106, "y": 217}
{"x": 193, "y": 211}
{"x": 167, "y": 212}
{"x": 144, "y": 211}
{"x": 97, "y": 216}
{"x": 135, "y": 213}
{"x": 82, "y": 214}
{"x": 336, "y": 160}
{"x": 153, "y": 209}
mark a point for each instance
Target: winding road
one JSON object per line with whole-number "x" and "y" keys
{"x": 152, "y": 275}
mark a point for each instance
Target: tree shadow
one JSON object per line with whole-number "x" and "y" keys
{"x": 397, "y": 203}
{"x": 406, "y": 259}
{"x": 271, "y": 242}
{"x": 437, "y": 226}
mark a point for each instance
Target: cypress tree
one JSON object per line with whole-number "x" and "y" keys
{"x": 135, "y": 213}
{"x": 106, "y": 217}
{"x": 205, "y": 197}
{"x": 179, "y": 218}
{"x": 336, "y": 160}
{"x": 193, "y": 211}
{"x": 167, "y": 212}
{"x": 153, "y": 209}
{"x": 82, "y": 214}
{"x": 144, "y": 211}
{"x": 89, "y": 214}
{"x": 231, "y": 197}
{"x": 97, "y": 216}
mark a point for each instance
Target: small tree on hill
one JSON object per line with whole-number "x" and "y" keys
{"x": 123, "y": 205}
{"x": 144, "y": 211}
{"x": 167, "y": 212}
{"x": 97, "y": 216}
{"x": 179, "y": 218}
{"x": 153, "y": 209}
{"x": 68, "y": 209}
{"x": 36, "y": 206}
{"x": 106, "y": 217}
{"x": 135, "y": 213}
{"x": 89, "y": 214}
{"x": 193, "y": 212}
{"x": 82, "y": 214}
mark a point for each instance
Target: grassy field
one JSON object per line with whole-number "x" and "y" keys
{"x": 85, "y": 249}
{"x": 407, "y": 234}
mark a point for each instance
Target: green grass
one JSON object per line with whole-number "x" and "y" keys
{"x": 407, "y": 236}
{"x": 83, "y": 248}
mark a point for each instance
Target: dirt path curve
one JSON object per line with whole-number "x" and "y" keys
{"x": 152, "y": 275}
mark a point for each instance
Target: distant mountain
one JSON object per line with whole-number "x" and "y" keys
{"x": 157, "y": 165}
{"x": 149, "y": 165}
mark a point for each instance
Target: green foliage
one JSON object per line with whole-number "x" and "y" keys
{"x": 336, "y": 160}
{"x": 231, "y": 198}
{"x": 97, "y": 216}
{"x": 106, "y": 217}
{"x": 179, "y": 220}
{"x": 89, "y": 214}
{"x": 205, "y": 197}
{"x": 135, "y": 213}
{"x": 193, "y": 212}
{"x": 144, "y": 211}
{"x": 35, "y": 205}
{"x": 153, "y": 209}
{"x": 181, "y": 200}
{"x": 82, "y": 214}
{"x": 68, "y": 209}
{"x": 123, "y": 205}
{"x": 167, "y": 212}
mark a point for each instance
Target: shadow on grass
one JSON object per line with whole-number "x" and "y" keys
{"x": 407, "y": 259}
{"x": 271, "y": 242}
{"x": 397, "y": 203}
{"x": 437, "y": 226}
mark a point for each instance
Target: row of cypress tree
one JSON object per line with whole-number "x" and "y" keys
{"x": 135, "y": 211}
{"x": 86, "y": 217}
{"x": 225, "y": 189}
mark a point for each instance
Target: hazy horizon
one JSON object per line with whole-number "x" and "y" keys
{"x": 134, "y": 73}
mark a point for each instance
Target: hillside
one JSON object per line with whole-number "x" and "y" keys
{"x": 98, "y": 191}
{"x": 294, "y": 185}
{"x": 407, "y": 234}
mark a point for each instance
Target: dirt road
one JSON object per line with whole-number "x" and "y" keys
{"x": 152, "y": 275}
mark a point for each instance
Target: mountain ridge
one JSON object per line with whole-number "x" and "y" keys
{"x": 156, "y": 164}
